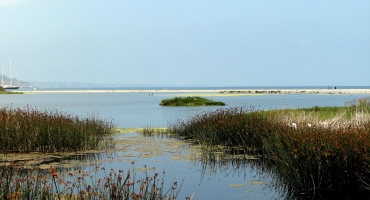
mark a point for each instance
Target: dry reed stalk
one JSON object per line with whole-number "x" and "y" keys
{"x": 358, "y": 118}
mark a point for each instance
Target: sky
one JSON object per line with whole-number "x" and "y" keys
{"x": 187, "y": 42}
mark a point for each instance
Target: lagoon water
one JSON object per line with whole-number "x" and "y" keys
{"x": 139, "y": 109}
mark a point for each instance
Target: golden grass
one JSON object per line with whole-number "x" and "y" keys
{"x": 336, "y": 121}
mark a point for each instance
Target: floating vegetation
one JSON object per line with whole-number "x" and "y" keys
{"x": 237, "y": 185}
{"x": 190, "y": 101}
{"x": 62, "y": 159}
{"x": 136, "y": 146}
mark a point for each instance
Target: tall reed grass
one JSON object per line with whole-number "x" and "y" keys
{"x": 31, "y": 130}
{"x": 235, "y": 127}
{"x": 310, "y": 160}
{"x": 310, "y": 151}
{"x": 17, "y": 182}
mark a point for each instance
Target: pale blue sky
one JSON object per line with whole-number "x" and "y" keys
{"x": 189, "y": 43}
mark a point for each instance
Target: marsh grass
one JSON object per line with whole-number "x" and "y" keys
{"x": 232, "y": 127}
{"x": 31, "y": 130}
{"x": 311, "y": 160}
{"x": 149, "y": 131}
{"x": 17, "y": 182}
{"x": 190, "y": 101}
{"x": 311, "y": 151}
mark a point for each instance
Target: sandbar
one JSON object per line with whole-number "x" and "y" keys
{"x": 223, "y": 91}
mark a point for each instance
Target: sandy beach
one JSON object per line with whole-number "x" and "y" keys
{"x": 226, "y": 91}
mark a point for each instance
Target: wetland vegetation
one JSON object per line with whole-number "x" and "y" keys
{"x": 311, "y": 152}
{"x": 26, "y": 131}
{"x": 16, "y": 182}
{"x": 31, "y": 130}
{"x": 190, "y": 101}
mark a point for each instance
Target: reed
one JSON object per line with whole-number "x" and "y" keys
{"x": 310, "y": 151}
{"x": 311, "y": 160}
{"x": 17, "y": 182}
{"x": 234, "y": 127}
{"x": 31, "y": 130}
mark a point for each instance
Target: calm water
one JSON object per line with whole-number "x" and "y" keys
{"x": 141, "y": 110}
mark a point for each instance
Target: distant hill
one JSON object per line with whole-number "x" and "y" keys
{"x": 79, "y": 85}
{"x": 16, "y": 82}
{"x": 48, "y": 84}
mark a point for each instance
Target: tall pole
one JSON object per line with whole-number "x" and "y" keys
{"x": 2, "y": 76}
{"x": 11, "y": 80}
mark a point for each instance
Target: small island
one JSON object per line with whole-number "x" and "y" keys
{"x": 190, "y": 101}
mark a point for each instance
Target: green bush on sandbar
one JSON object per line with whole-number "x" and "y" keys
{"x": 190, "y": 101}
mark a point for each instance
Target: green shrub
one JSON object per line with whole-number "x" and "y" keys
{"x": 190, "y": 101}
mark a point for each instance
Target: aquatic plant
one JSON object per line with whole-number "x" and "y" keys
{"x": 17, "y": 182}
{"x": 190, "y": 101}
{"x": 149, "y": 131}
{"x": 311, "y": 151}
{"x": 312, "y": 160}
{"x": 31, "y": 130}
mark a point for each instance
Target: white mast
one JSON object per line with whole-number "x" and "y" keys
{"x": 11, "y": 80}
{"x": 2, "y": 77}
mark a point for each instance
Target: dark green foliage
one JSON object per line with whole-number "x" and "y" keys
{"x": 190, "y": 101}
